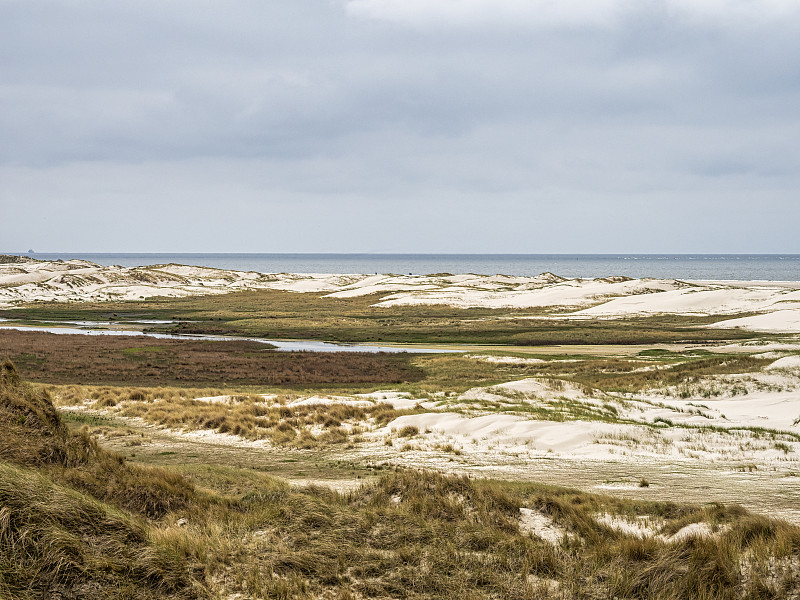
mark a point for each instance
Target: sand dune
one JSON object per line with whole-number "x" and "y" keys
{"x": 709, "y": 300}
{"x": 777, "y": 304}
{"x": 783, "y": 320}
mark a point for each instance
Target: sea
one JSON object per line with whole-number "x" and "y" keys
{"x": 741, "y": 267}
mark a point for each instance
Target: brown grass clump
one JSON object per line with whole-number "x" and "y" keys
{"x": 408, "y": 431}
{"x": 32, "y": 431}
{"x": 254, "y": 419}
{"x": 56, "y": 542}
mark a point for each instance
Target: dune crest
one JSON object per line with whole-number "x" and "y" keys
{"x": 776, "y": 304}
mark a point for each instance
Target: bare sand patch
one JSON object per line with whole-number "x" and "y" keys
{"x": 508, "y": 360}
{"x": 541, "y": 525}
{"x": 328, "y": 401}
{"x": 787, "y": 362}
{"x": 779, "y": 321}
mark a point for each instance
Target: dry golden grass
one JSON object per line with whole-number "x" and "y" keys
{"x": 79, "y": 522}
{"x": 302, "y": 426}
{"x": 56, "y": 538}
{"x": 110, "y": 395}
{"x": 247, "y": 415}
{"x": 57, "y": 542}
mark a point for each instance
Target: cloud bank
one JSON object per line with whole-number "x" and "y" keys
{"x": 388, "y": 125}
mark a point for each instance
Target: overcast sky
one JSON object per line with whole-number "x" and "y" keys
{"x": 531, "y": 126}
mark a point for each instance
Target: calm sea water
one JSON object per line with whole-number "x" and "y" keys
{"x": 785, "y": 267}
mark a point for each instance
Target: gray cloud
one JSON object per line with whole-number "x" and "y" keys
{"x": 473, "y": 126}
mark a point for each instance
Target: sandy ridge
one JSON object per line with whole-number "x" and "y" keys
{"x": 777, "y": 304}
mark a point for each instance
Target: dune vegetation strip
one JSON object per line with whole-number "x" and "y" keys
{"x": 275, "y": 314}
{"x": 756, "y": 306}
{"x": 79, "y": 521}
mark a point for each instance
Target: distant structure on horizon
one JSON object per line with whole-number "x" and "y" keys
{"x": 30, "y": 251}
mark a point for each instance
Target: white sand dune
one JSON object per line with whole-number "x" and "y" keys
{"x": 712, "y": 300}
{"x": 575, "y": 437}
{"x": 787, "y": 362}
{"x": 528, "y": 293}
{"x": 398, "y": 400}
{"x": 613, "y": 297}
{"x": 542, "y": 388}
{"x": 77, "y": 281}
{"x": 779, "y": 321}
{"x": 653, "y": 427}
{"x": 774, "y": 410}
{"x": 648, "y": 527}
{"x": 507, "y": 360}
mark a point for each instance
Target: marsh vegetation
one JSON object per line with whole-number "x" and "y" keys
{"x": 58, "y": 358}
{"x": 275, "y": 314}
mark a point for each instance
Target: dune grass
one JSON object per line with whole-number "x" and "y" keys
{"x": 303, "y": 426}
{"x": 56, "y": 542}
{"x": 77, "y": 521}
{"x": 72, "y": 515}
{"x": 615, "y": 375}
{"x": 426, "y": 535}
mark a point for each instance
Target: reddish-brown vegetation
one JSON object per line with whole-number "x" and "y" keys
{"x": 51, "y": 358}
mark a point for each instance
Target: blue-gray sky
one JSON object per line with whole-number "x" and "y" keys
{"x": 532, "y": 126}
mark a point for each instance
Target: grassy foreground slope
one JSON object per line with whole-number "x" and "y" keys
{"x": 77, "y": 521}
{"x": 73, "y": 517}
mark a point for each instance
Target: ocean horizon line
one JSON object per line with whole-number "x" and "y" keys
{"x": 470, "y": 254}
{"x": 743, "y": 267}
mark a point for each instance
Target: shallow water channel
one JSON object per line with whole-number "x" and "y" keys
{"x": 280, "y": 345}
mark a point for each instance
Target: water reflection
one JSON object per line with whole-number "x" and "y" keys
{"x": 280, "y": 345}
